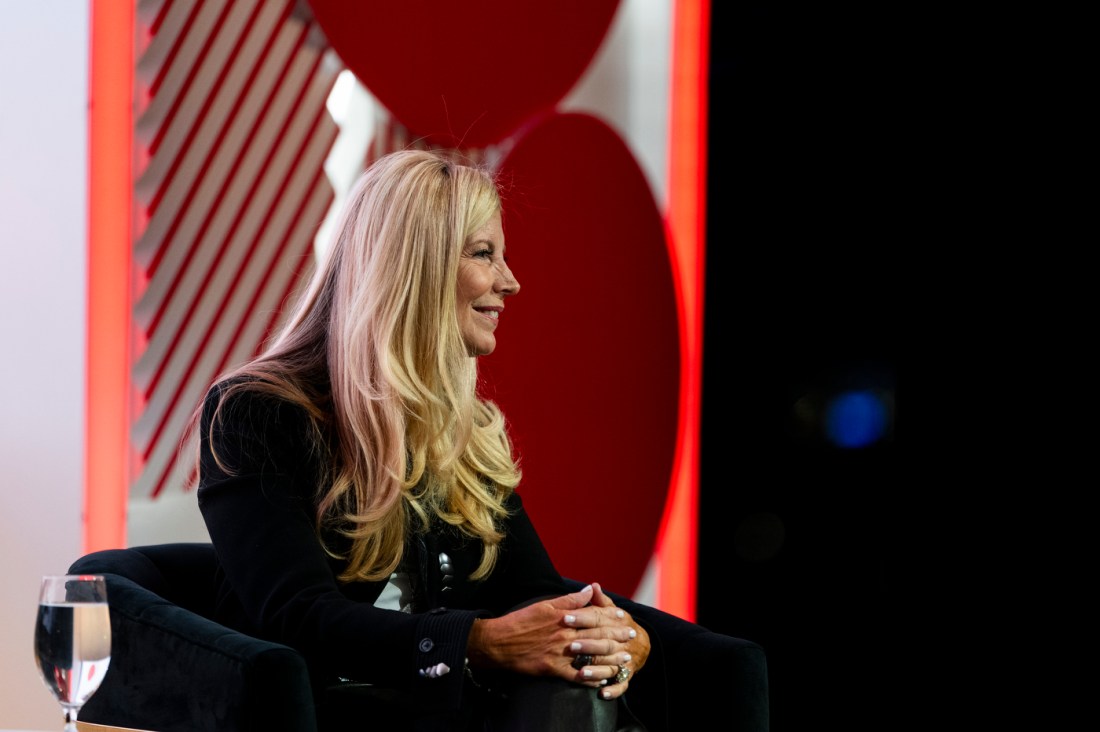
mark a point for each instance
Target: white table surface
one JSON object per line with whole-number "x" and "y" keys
{"x": 82, "y": 726}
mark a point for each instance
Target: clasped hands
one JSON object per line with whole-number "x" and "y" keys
{"x": 545, "y": 637}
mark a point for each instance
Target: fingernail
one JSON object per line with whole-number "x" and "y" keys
{"x": 626, "y": 657}
{"x": 633, "y": 633}
{"x": 570, "y": 619}
{"x": 603, "y": 682}
{"x": 606, "y": 694}
{"x": 587, "y": 673}
{"x": 586, "y": 588}
{"x": 574, "y": 646}
{"x": 619, "y": 614}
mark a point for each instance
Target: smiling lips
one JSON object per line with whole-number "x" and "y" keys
{"x": 490, "y": 312}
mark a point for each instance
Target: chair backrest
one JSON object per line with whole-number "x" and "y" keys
{"x": 173, "y": 669}
{"x": 182, "y": 573}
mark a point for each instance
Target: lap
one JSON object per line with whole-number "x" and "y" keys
{"x": 554, "y": 705}
{"x": 512, "y": 704}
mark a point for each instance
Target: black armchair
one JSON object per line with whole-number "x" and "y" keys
{"x": 175, "y": 670}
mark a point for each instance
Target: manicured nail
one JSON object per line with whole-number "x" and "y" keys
{"x": 586, "y": 588}
{"x": 570, "y": 619}
{"x": 606, "y": 694}
{"x": 633, "y": 633}
{"x": 620, "y": 614}
{"x": 587, "y": 673}
{"x": 574, "y": 646}
{"x": 603, "y": 682}
{"x": 626, "y": 657}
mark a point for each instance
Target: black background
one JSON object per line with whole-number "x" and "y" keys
{"x": 806, "y": 548}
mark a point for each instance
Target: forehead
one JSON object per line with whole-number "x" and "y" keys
{"x": 492, "y": 231}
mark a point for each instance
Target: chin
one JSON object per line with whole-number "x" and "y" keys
{"x": 480, "y": 349}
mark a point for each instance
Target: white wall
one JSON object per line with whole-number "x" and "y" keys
{"x": 43, "y": 140}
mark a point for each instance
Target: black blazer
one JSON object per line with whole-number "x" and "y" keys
{"x": 276, "y": 582}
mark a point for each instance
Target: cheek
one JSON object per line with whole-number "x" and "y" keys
{"x": 472, "y": 284}
{"x": 462, "y": 288}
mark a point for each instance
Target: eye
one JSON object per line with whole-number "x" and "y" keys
{"x": 483, "y": 253}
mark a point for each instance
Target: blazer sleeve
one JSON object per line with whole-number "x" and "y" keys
{"x": 277, "y": 578}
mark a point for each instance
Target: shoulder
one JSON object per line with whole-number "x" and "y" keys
{"x": 247, "y": 427}
{"x": 252, "y": 403}
{"x": 513, "y": 502}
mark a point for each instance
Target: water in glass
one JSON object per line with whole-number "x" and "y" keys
{"x": 72, "y": 639}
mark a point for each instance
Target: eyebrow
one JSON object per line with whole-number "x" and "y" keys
{"x": 490, "y": 242}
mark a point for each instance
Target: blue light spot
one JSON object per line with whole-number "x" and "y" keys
{"x": 855, "y": 419}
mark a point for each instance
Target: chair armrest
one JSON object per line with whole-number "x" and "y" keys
{"x": 175, "y": 671}
{"x": 182, "y": 573}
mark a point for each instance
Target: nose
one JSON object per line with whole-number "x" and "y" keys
{"x": 506, "y": 282}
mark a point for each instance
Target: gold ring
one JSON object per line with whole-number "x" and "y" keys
{"x": 622, "y": 675}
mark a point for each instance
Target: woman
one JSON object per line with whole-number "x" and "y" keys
{"x": 361, "y": 496}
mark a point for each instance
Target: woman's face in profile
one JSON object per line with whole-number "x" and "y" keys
{"x": 484, "y": 280}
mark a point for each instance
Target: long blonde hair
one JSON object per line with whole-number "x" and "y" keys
{"x": 404, "y": 435}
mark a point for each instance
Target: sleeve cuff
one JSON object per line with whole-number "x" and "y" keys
{"x": 441, "y": 640}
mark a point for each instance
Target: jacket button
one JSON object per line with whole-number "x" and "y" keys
{"x": 426, "y": 645}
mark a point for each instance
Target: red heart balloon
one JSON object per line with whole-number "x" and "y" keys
{"x": 587, "y": 364}
{"x": 466, "y": 74}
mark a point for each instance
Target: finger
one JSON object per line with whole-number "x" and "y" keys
{"x": 604, "y": 648}
{"x": 615, "y": 612}
{"x": 617, "y": 633}
{"x": 583, "y": 670}
{"x": 611, "y": 661}
{"x": 599, "y": 597}
{"x": 618, "y": 682}
{"x": 585, "y": 618}
{"x": 591, "y": 683}
{"x": 582, "y": 658}
{"x": 594, "y": 674}
{"x": 614, "y": 691}
{"x": 601, "y": 673}
{"x": 573, "y": 600}
{"x": 592, "y": 617}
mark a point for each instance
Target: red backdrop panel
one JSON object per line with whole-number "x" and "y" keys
{"x": 587, "y": 365}
{"x": 466, "y": 74}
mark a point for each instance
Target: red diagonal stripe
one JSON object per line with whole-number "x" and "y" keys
{"x": 192, "y": 74}
{"x": 235, "y": 337}
{"x": 205, "y": 109}
{"x": 242, "y": 209}
{"x": 173, "y": 400}
{"x": 154, "y": 27}
{"x": 171, "y": 55}
{"x": 189, "y": 196}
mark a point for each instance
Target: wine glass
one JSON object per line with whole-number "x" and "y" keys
{"x": 72, "y": 639}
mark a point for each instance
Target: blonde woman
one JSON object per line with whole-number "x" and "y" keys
{"x": 361, "y": 496}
